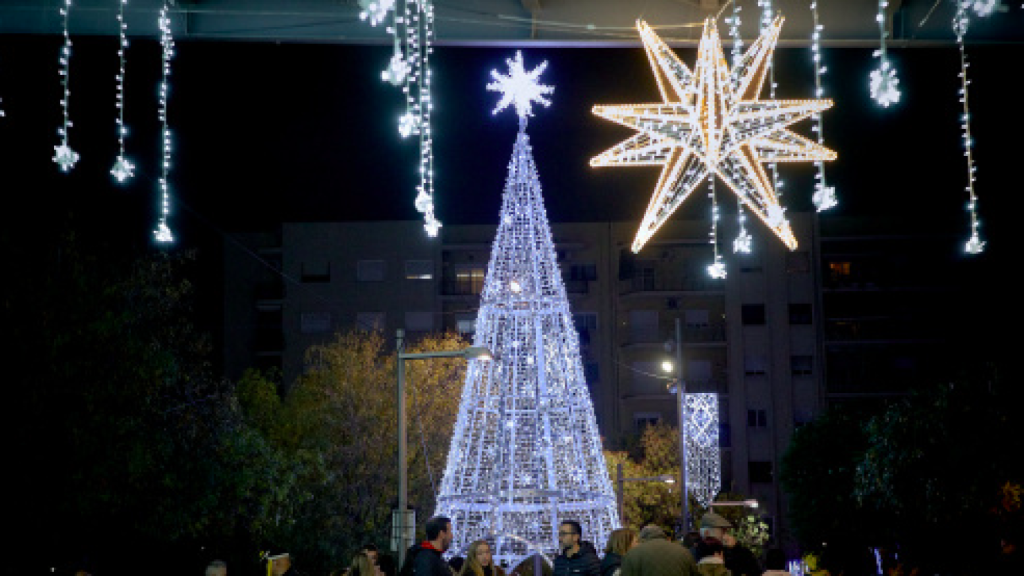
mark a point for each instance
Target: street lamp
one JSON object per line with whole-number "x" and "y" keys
{"x": 403, "y": 520}
{"x": 619, "y": 481}
{"x": 681, "y": 410}
{"x": 749, "y": 503}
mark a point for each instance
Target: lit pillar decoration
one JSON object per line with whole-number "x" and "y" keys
{"x": 974, "y": 245}
{"x": 163, "y": 232}
{"x": 525, "y": 454}
{"x": 123, "y": 168}
{"x": 412, "y": 27}
{"x": 824, "y": 196}
{"x": 64, "y": 156}
{"x": 712, "y": 123}
{"x": 703, "y": 455}
{"x": 883, "y": 79}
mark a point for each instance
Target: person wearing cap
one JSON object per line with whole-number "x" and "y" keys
{"x": 281, "y": 564}
{"x": 739, "y": 560}
{"x": 578, "y": 557}
{"x": 654, "y": 555}
{"x": 424, "y": 559}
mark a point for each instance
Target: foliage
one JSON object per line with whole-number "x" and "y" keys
{"x": 337, "y": 424}
{"x": 650, "y": 502}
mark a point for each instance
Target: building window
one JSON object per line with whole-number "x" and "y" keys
{"x": 724, "y": 436}
{"x": 582, "y": 272}
{"x": 370, "y": 321}
{"x": 465, "y": 324}
{"x": 755, "y": 365}
{"x": 419, "y": 269}
{"x": 315, "y": 322}
{"x": 839, "y": 270}
{"x": 469, "y": 281}
{"x": 697, "y": 319}
{"x": 801, "y": 365}
{"x": 643, "y": 325}
{"x": 752, "y": 314}
{"x": 757, "y": 418}
{"x": 315, "y": 272}
{"x": 760, "y": 472}
{"x": 798, "y": 262}
{"x": 641, "y": 420}
{"x": 586, "y": 326}
{"x": 800, "y": 314}
{"x": 370, "y": 271}
{"x": 419, "y": 321}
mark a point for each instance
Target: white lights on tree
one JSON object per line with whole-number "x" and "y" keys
{"x": 163, "y": 231}
{"x": 884, "y": 83}
{"x": 123, "y": 168}
{"x": 64, "y": 156}
{"x": 824, "y": 196}
{"x": 974, "y": 244}
{"x": 526, "y": 453}
{"x": 712, "y": 123}
{"x": 703, "y": 455}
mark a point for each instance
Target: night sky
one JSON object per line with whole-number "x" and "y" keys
{"x": 266, "y": 133}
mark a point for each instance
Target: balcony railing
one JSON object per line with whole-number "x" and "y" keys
{"x": 702, "y": 334}
{"x": 687, "y": 282}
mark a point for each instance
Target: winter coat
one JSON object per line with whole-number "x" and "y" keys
{"x": 610, "y": 564}
{"x": 658, "y": 557}
{"x": 583, "y": 563}
{"x": 741, "y": 561}
{"x": 423, "y": 561}
{"x": 709, "y": 567}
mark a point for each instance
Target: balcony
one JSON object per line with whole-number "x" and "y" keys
{"x": 692, "y": 334}
{"x": 460, "y": 287}
{"x": 578, "y": 287}
{"x": 689, "y": 281}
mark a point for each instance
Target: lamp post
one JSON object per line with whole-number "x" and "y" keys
{"x": 619, "y": 481}
{"x": 748, "y": 503}
{"x": 681, "y": 410}
{"x": 403, "y": 520}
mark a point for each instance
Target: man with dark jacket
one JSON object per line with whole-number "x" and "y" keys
{"x": 578, "y": 557}
{"x": 424, "y": 559}
{"x": 738, "y": 558}
{"x": 654, "y": 555}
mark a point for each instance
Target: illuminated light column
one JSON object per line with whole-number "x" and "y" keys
{"x": 703, "y": 455}
{"x": 525, "y": 454}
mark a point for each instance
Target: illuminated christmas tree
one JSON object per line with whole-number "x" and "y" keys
{"x": 525, "y": 454}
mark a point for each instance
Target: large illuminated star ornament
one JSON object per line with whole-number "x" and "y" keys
{"x": 520, "y": 88}
{"x": 712, "y": 123}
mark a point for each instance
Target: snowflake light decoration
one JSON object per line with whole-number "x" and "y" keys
{"x": 520, "y": 88}
{"x": 712, "y": 123}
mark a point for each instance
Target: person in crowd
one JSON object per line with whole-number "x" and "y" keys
{"x": 456, "y": 563}
{"x": 577, "y": 557}
{"x": 738, "y": 558}
{"x": 1010, "y": 560}
{"x": 362, "y": 564}
{"x": 654, "y": 555}
{"x": 281, "y": 565}
{"x": 217, "y": 568}
{"x": 533, "y": 565}
{"x": 386, "y": 565}
{"x": 480, "y": 562}
{"x": 371, "y": 550}
{"x": 424, "y": 559}
{"x": 711, "y": 557}
{"x": 775, "y": 563}
{"x": 620, "y": 541}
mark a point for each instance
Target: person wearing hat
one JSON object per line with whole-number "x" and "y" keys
{"x": 280, "y": 564}
{"x": 739, "y": 560}
{"x": 654, "y": 555}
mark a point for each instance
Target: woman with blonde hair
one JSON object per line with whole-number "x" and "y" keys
{"x": 479, "y": 561}
{"x": 619, "y": 542}
{"x": 362, "y": 565}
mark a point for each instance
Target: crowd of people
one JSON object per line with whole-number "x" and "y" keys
{"x": 712, "y": 551}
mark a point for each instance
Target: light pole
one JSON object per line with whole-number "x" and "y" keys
{"x": 403, "y": 520}
{"x": 619, "y": 481}
{"x": 748, "y": 503}
{"x": 681, "y": 402}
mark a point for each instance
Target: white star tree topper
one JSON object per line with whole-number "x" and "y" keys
{"x": 520, "y": 88}
{"x": 712, "y": 123}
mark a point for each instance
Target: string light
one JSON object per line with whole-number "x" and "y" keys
{"x": 163, "y": 231}
{"x": 743, "y": 241}
{"x": 123, "y": 168}
{"x": 883, "y": 82}
{"x": 960, "y": 21}
{"x": 64, "y": 156}
{"x": 712, "y": 121}
{"x": 734, "y": 22}
{"x": 520, "y": 88}
{"x": 410, "y": 70}
{"x": 824, "y": 196}
{"x": 717, "y": 268}
{"x": 766, "y": 22}
{"x": 525, "y": 453}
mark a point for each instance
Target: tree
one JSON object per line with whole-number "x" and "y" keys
{"x": 336, "y": 424}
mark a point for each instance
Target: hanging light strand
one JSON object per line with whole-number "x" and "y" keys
{"x": 824, "y": 196}
{"x": 64, "y": 156}
{"x": 734, "y": 22}
{"x": 974, "y": 244}
{"x": 717, "y": 268}
{"x": 163, "y": 232}
{"x": 766, "y": 23}
{"x": 123, "y": 168}
{"x": 883, "y": 81}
